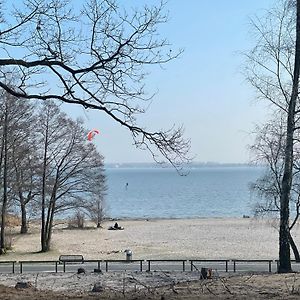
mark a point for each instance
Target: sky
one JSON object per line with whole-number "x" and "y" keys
{"x": 203, "y": 90}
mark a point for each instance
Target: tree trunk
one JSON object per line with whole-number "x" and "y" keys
{"x": 49, "y": 221}
{"x": 284, "y": 244}
{"x": 48, "y": 226}
{"x": 4, "y": 203}
{"x": 294, "y": 248}
{"x": 24, "y": 228}
{"x": 49, "y": 233}
{"x": 43, "y": 229}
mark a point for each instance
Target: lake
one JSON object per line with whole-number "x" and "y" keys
{"x": 162, "y": 193}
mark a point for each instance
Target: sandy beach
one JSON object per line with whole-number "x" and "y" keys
{"x": 211, "y": 238}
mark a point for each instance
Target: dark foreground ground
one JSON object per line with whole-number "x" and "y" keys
{"x": 259, "y": 286}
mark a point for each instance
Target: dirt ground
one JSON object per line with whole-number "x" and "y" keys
{"x": 259, "y": 286}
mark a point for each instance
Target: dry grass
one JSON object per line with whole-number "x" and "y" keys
{"x": 275, "y": 286}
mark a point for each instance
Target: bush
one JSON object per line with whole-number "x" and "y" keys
{"x": 77, "y": 221}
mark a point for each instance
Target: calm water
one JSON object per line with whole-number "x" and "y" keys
{"x": 162, "y": 193}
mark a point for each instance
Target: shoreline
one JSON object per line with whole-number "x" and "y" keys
{"x": 111, "y": 219}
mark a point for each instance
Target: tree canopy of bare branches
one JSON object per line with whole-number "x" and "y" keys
{"x": 94, "y": 56}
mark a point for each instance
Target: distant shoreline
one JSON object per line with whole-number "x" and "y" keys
{"x": 190, "y": 166}
{"x": 110, "y": 219}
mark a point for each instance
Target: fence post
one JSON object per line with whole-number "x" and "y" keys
{"x": 13, "y": 267}
{"x": 64, "y": 266}
{"x": 270, "y": 266}
{"x": 106, "y": 266}
{"x": 183, "y": 265}
{"x": 191, "y": 265}
{"x": 148, "y": 265}
{"x": 21, "y": 267}
{"x": 141, "y": 266}
{"x": 234, "y": 266}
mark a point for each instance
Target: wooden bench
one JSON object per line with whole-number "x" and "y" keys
{"x": 71, "y": 259}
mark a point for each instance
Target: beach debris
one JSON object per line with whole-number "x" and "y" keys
{"x": 98, "y": 287}
{"x": 111, "y": 252}
{"x": 92, "y": 133}
{"x": 23, "y": 285}
{"x": 80, "y": 271}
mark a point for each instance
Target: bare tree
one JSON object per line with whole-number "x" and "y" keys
{"x": 269, "y": 151}
{"x": 273, "y": 69}
{"x": 71, "y": 167}
{"x": 15, "y": 171}
{"x": 96, "y": 210}
{"x": 94, "y": 204}
{"x": 94, "y": 57}
{"x": 24, "y": 181}
{"x": 95, "y": 207}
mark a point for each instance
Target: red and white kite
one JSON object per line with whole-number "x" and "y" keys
{"x": 92, "y": 133}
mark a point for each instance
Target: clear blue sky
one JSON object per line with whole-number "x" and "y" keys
{"x": 203, "y": 89}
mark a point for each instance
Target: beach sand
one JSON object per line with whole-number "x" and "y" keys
{"x": 211, "y": 238}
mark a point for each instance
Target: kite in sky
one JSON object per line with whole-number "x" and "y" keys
{"x": 92, "y": 133}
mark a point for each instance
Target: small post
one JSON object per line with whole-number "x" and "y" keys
{"x": 234, "y": 266}
{"x": 148, "y": 265}
{"x": 64, "y": 266}
{"x": 191, "y": 265}
{"x": 13, "y": 267}
{"x": 270, "y": 266}
{"x": 21, "y": 267}
{"x": 183, "y": 265}
{"x": 106, "y": 266}
{"x": 98, "y": 264}
{"x": 141, "y": 266}
{"x": 56, "y": 267}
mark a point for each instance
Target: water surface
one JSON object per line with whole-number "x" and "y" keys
{"x": 162, "y": 193}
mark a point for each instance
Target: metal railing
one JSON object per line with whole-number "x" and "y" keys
{"x": 149, "y": 261}
{"x": 111, "y": 261}
{"x": 245, "y": 261}
{"x": 22, "y": 263}
{"x": 192, "y": 261}
{"x": 11, "y": 263}
{"x": 226, "y": 265}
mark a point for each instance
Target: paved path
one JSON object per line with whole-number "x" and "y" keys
{"x": 136, "y": 266}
